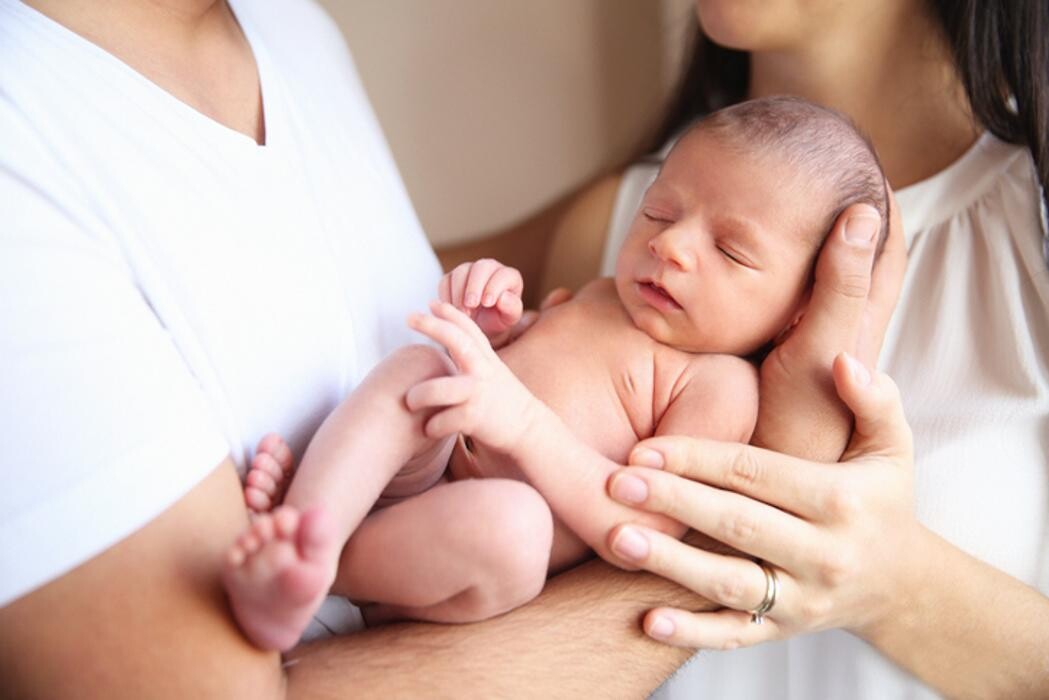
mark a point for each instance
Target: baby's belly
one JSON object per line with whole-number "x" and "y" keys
{"x": 589, "y": 408}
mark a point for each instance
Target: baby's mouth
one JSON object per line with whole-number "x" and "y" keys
{"x": 655, "y": 295}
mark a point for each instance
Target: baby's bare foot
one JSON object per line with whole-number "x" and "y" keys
{"x": 278, "y": 572}
{"x": 269, "y": 475}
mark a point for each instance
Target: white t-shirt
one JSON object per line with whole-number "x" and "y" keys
{"x": 967, "y": 347}
{"x": 169, "y": 290}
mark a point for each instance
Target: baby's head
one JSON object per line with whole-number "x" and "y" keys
{"x": 719, "y": 257}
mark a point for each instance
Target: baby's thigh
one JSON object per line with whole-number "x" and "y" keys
{"x": 493, "y": 535}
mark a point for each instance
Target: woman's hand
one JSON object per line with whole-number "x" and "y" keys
{"x": 835, "y": 534}
{"x": 849, "y": 311}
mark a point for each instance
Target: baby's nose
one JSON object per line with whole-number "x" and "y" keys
{"x": 672, "y": 248}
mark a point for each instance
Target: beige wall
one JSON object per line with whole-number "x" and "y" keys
{"x": 494, "y": 108}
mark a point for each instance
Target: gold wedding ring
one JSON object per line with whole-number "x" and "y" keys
{"x": 757, "y": 615}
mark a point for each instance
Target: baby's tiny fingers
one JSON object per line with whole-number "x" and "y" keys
{"x": 505, "y": 279}
{"x": 464, "y": 323}
{"x": 510, "y": 307}
{"x": 444, "y": 288}
{"x": 459, "y": 276}
{"x": 457, "y": 419}
{"x": 441, "y": 391}
{"x": 460, "y": 346}
{"x": 481, "y": 274}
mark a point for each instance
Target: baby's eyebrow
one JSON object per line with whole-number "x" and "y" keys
{"x": 748, "y": 233}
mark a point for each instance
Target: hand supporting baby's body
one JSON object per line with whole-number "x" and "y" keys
{"x": 585, "y": 386}
{"x": 467, "y": 549}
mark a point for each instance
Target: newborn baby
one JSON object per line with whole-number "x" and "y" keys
{"x": 471, "y": 455}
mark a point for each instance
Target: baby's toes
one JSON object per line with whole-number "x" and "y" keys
{"x": 267, "y": 463}
{"x": 286, "y": 522}
{"x": 275, "y": 446}
{"x": 258, "y": 501}
{"x": 236, "y": 556}
{"x": 263, "y": 481}
{"x": 264, "y": 529}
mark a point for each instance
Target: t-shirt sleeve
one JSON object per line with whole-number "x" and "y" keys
{"x": 102, "y": 425}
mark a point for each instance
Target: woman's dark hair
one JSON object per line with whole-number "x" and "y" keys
{"x": 1000, "y": 48}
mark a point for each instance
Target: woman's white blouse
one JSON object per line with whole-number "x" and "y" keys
{"x": 967, "y": 347}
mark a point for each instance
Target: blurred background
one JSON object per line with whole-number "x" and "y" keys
{"x": 496, "y": 108}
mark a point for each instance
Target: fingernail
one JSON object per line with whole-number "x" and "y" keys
{"x": 630, "y": 544}
{"x": 859, "y": 372}
{"x": 661, "y": 628}
{"x": 471, "y": 300}
{"x": 489, "y": 299}
{"x": 645, "y": 457}
{"x": 861, "y": 229}
{"x": 629, "y": 489}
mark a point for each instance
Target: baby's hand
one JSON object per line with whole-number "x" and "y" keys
{"x": 484, "y": 400}
{"x": 489, "y": 293}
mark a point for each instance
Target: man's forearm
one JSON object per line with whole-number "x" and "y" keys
{"x": 580, "y": 638}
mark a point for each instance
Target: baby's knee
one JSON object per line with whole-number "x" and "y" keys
{"x": 412, "y": 364}
{"x": 519, "y": 529}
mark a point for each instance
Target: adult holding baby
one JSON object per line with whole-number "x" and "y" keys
{"x": 205, "y": 238}
{"x": 932, "y": 576}
{"x": 145, "y": 617}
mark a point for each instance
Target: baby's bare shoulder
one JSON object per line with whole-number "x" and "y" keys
{"x": 728, "y": 369}
{"x": 714, "y": 396}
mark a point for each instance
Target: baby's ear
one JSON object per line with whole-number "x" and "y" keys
{"x": 799, "y": 314}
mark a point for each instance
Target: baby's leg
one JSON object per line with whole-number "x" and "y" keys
{"x": 362, "y": 444}
{"x": 460, "y": 552}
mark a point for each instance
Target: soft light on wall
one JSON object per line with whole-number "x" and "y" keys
{"x": 495, "y": 109}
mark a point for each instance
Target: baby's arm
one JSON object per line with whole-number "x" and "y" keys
{"x": 718, "y": 400}
{"x": 486, "y": 401}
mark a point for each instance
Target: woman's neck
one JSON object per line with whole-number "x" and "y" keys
{"x": 896, "y": 80}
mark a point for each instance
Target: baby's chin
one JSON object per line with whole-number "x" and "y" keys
{"x": 658, "y": 330}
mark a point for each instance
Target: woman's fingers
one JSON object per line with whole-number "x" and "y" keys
{"x": 881, "y": 426}
{"x": 842, "y": 280}
{"x": 740, "y": 522}
{"x": 724, "y": 629}
{"x": 730, "y": 581}
{"x": 789, "y": 483}
{"x": 886, "y": 281}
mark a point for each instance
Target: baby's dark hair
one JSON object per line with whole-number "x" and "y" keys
{"x": 820, "y": 141}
